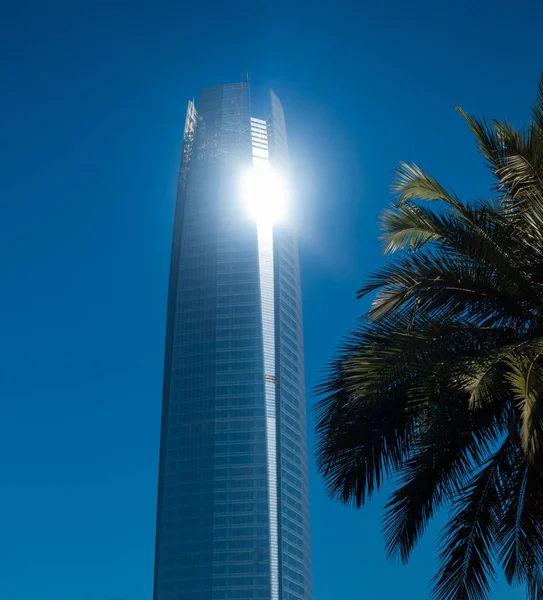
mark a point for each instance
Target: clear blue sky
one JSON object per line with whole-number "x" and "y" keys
{"x": 91, "y": 113}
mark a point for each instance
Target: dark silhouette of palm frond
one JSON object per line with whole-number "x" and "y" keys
{"x": 441, "y": 385}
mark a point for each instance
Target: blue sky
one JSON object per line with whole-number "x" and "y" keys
{"x": 91, "y": 114}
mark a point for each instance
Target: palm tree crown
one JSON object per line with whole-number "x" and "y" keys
{"x": 441, "y": 385}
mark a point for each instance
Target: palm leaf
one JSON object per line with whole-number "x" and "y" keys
{"x": 451, "y": 441}
{"x": 442, "y": 286}
{"x": 466, "y": 554}
{"x": 537, "y": 109}
{"x": 358, "y": 447}
{"x": 412, "y": 183}
{"x": 525, "y": 377}
{"x": 520, "y": 539}
{"x": 446, "y": 363}
{"x": 408, "y": 227}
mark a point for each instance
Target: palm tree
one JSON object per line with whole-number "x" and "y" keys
{"x": 441, "y": 385}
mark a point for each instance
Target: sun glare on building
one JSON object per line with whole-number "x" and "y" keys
{"x": 264, "y": 193}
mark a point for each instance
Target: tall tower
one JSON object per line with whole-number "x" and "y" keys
{"x": 233, "y": 499}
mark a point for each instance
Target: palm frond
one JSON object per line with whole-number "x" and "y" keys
{"x": 488, "y": 141}
{"x": 443, "y": 286}
{"x": 485, "y": 376}
{"x": 467, "y": 542}
{"x": 450, "y": 441}
{"x": 412, "y": 183}
{"x": 525, "y": 376}
{"x": 479, "y": 235}
{"x": 520, "y": 538}
{"x": 534, "y": 587}
{"x": 408, "y": 227}
{"x": 537, "y": 109}
{"x": 360, "y": 439}
{"x": 447, "y": 366}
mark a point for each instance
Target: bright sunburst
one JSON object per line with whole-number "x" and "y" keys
{"x": 264, "y": 193}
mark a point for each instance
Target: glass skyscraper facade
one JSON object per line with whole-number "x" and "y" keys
{"x": 233, "y": 499}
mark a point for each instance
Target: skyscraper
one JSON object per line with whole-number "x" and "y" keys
{"x": 233, "y": 500}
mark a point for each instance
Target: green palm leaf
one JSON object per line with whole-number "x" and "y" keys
{"x": 440, "y": 387}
